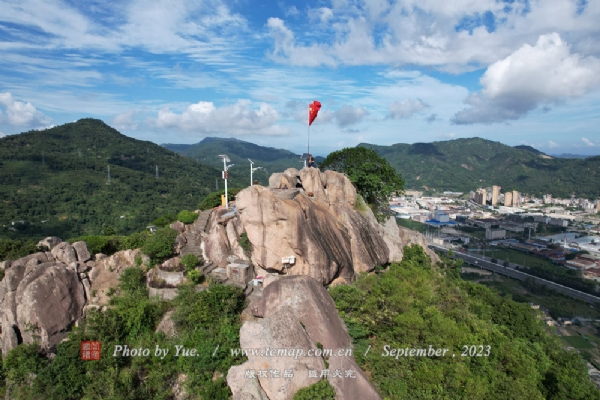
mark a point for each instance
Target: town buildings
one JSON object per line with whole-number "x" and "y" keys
{"x": 495, "y": 195}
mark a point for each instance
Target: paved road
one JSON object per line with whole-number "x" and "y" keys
{"x": 511, "y": 272}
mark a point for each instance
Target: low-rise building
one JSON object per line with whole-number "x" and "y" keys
{"x": 513, "y": 227}
{"x": 494, "y": 234}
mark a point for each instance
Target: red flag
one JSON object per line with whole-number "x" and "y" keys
{"x": 313, "y": 110}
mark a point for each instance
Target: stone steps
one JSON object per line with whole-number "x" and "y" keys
{"x": 194, "y": 235}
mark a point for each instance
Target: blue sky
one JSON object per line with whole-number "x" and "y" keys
{"x": 171, "y": 71}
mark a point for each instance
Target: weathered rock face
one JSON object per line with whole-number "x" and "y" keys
{"x": 178, "y": 226}
{"x": 297, "y": 313}
{"x": 325, "y": 234}
{"x": 302, "y": 228}
{"x": 281, "y": 331}
{"x": 49, "y": 242}
{"x": 107, "y": 270}
{"x": 39, "y": 302}
{"x": 64, "y": 252}
{"x": 396, "y": 237}
{"x": 82, "y": 252}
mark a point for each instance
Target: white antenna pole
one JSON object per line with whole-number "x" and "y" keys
{"x": 157, "y": 172}
{"x": 226, "y": 199}
{"x": 251, "y": 171}
{"x": 108, "y": 174}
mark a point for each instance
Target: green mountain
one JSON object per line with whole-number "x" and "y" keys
{"x": 466, "y": 164}
{"x": 239, "y": 151}
{"x": 56, "y": 181}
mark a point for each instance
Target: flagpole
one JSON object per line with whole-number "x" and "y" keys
{"x": 308, "y": 152}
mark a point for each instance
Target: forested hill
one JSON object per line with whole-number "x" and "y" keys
{"x": 239, "y": 151}
{"x": 56, "y": 181}
{"x": 466, "y": 164}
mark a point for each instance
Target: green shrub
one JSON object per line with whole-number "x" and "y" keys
{"x": 187, "y": 217}
{"x": 190, "y": 261}
{"x": 135, "y": 240}
{"x": 195, "y": 276}
{"x": 160, "y": 244}
{"x": 164, "y": 220}
{"x": 214, "y": 199}
{"x": 13, "y": 249}
{"x": 321, "y": 390}
{"x": 245, "y": 244}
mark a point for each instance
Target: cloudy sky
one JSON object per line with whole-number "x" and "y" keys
{"x": 402, "y": 71}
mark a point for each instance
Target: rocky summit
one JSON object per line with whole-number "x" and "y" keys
{"x": 311, "y": 216}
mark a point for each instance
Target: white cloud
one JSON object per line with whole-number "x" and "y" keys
{"x": 406, "y": 108}
{"x": 236, "y": 119}
{"x": 2, "y": 135}
{"x": 22, "y": 114}
{"x": 322, "y": 14}
{"x": 552, "y": 144}
{"x": 349, "y": 115}
{"x": 291, "y": 11}
{"x": 532, "y": 76}
{"x": 285, "y": 48}
{"x": 446, "y": 135}
{"x": 452, "y": 36}
{"x": 587, "y": 142}
{"x": 125, "y": 121}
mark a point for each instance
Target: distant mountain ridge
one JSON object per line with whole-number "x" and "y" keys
{"x": 269, "y": 158}
{"x": 60, "y": 176}
{"x": 466, "y": 164}
{"x": 569, "y": 155}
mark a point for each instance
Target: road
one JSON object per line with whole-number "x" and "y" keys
{"x": 511, "y": 272}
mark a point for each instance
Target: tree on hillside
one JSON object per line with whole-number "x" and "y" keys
{"x": 374, "y": 178}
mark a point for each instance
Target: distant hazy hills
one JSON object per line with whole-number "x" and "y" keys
{"x": 458, "y": 165}
{"x": 465, "y": 164}
{"x": 60, "y": 176}
{"x": 239, "y": 151}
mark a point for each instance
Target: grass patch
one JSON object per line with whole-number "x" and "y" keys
{"x": 578, "y": 342}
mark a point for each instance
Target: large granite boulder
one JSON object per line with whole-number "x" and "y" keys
{"x": 280, "y": 331}
{"x": 107, "y": 270}
{"x": 216, "y": 242}
{"x": 287, "y": 303}
{"x": 64, "y": 252}
{"x": 39, "y": 303}
{"x": 49, "y": 242}
{"x": 311, "y": 216}
{"x": 300, "y": 227}
{"x": 82, "y": 252}
{"x": 37, "y": 258}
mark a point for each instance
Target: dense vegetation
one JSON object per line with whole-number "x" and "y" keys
{"x": 203, "y": 320}
{"x": 56, "y": 182}
{"x": 465, "y": 164}
{"x": 414, "y": 305}
{"x": 271, "y": 159}
{"x": 375, "y": 180}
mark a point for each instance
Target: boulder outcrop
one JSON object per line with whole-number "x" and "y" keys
{"x": 106, "y": 273}
{"x": 43, "y": 294}
{"x": 297, "y": 313}
{"x": 39, "y": 302}
{"x": 49, "y": 242}
{"x": 311, "y": 216}
{"x": 396, "y": 237}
